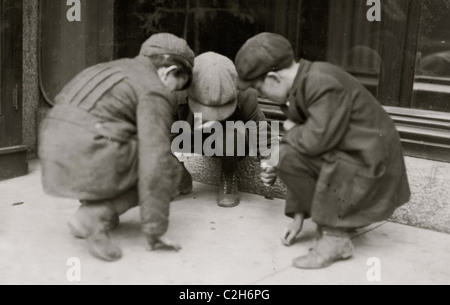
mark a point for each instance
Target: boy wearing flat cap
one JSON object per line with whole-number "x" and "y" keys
{"x": 341, "y": 157}
{"x": 106, "y": 143}
{"x": 214, "y": 95}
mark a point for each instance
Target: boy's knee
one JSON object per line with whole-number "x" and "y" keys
{"x": 295, "y": 163}
{"x": 287, "y": 155}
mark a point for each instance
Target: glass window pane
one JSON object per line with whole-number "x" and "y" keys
{"x": 1, "y": 58}
{"x": 354, "y": 42}
{"x": 220, "y": 26}
{"x": 432, "y": 82}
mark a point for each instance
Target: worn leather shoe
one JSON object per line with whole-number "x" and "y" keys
{"x": 78, "y": 231}
{"x": 333, "y": 245}
{"x": 186, "y": 185}
{"x": 228, "y": 196}
{"x": 93, "y": 223}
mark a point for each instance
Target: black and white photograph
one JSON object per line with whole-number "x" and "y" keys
{"x": 225, "y": 148}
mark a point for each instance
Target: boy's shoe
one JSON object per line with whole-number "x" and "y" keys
{"x": 333, "y": 245}
{"x": 79, "y": 232}
{"x": 93, "y": 222}
{"x": 228, "y": 196}
{"x": 186, "y": 185}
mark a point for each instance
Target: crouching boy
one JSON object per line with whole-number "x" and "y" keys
{"x": 213, "y": 95}
{"x": 106, "y": 143}
{"x": 341, "y": 158}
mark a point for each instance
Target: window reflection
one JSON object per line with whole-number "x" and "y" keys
{"x": 434, "y": 43}
{"x": 1, "y": 61}
{"x": 2, "y": 26}
{"x": 436, "y": 64}
{"x": 354, "y": 43}
{"x": 432, "y": 80}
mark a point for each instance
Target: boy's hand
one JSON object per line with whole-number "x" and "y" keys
{"x": 162, "y": 243}
{"x": 288, "y": 125}
{"x": 268, "y": 174}
{"x": 293, "y": 230}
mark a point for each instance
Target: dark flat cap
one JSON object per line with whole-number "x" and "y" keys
{"x": 261, "y": 54}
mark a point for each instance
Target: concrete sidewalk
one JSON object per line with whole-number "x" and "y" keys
{"x": 236, "y": 246}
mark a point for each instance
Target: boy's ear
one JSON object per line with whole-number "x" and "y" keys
{"x": 165, "y": 72}
{"x": 171, "y": 69}
{"x": 274, "y": 76}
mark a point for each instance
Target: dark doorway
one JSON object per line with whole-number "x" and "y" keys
{"x": 12, "y": 155}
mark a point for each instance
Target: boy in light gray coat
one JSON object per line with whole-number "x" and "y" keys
{"x": 107, "y": 143}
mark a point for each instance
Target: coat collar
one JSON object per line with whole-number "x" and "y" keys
{"x": 145, "y": 62}
{"x": 304, "y": 67}
{"x": 292, "y": 108}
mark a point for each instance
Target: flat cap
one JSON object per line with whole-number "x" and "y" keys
{"x": 213, "y": 92}
{"x": 261, "y": 54}
{"x": 165, "y": 43}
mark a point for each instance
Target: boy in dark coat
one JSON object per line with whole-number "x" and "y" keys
{"x": 341, "y": 158}
{"x": 215, "y": 96}
{"x": 106, "y": 142}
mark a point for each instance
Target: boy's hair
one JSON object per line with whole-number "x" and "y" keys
{"x": 168, "y": 60}
{"x": 284, "y": 65}
{"x": 262, "y": 54}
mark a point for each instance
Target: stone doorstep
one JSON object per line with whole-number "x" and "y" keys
{"x": 429, "y": 207}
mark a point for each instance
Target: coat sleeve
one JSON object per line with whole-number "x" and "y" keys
{"x": 252, "y": 113}
{"x": 329, "y": 111}
{"x": 159, "y": 171}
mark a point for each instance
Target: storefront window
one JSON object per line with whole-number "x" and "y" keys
{"x": 354, "y": 42}
{"x": 220, "y": 26}
{"x": 10, "y": 73}
{"x": 1, "y": 56}
{"x": 69, "y": 47}
{"x": 432, "y": 81}
{"x": 403, "y": 59}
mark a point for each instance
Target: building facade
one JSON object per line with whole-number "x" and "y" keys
{"x": 399, "y": 50}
